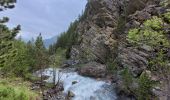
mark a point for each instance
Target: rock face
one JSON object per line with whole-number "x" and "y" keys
{"x": 93, "y": 69}
{"x": 100, "y": 36}
{"x": 96, "y": 30}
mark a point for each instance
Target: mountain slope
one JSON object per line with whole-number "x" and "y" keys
{"x": 130, "y": 37}
{"x": 48, "y": 42}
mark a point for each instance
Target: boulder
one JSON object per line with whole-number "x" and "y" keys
{"x": 93, "y": 69}
{"x": 70, "y": 94}
{"x": 69, "y": 63}
{"x": 74, "y": 82}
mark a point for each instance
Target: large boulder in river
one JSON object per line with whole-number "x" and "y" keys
{"x": 93, "y": 69}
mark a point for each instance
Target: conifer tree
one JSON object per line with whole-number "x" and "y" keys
{"x": 41, "y": 56}
{"x": 6, "y": 35}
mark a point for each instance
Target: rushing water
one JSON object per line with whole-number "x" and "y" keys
{"x": 85, "y": 88}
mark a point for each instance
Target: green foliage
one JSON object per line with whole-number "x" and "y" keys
{"x": 121, "y": 24}
{"x": 111, "y": 66}
{"x": 15, "y": 93}
{"x": 165, "y": 3}
{"x": 4, "y": 4}
{"x": 57, "y": 59}
{"x": 145, "y": 86}
{"x": 87, "y": 54}
{"x": 6, "y": 43}
{"x": 16, "y": 89}
{"x": 150, "y": 34}
{"x": 159, "y": 63}
{"x": 154, "y": 23}
{"x": 28, "y": 58}
{"x": 133, "y": 35}
{"x": 127, "y": 78}
{"x": 31, "y": 54}
{"x": 167, "y": 16}
{"x": 68, "y": 38}
{"x": 18, "y": 65}
{"x": 6, "y": 35}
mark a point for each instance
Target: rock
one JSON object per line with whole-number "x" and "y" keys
{"x": 69, "y": 63}
{"x": 93, "y": 69}
{"x": 146, "y": 47}
{"x": 95, "y": 31}
{"x": 71, "y": 94}
{"x": 35, "y": 87}
{"x": 135, "y": 60}
{"x": 74, "y": 82}
{"x": 98, "y": 79}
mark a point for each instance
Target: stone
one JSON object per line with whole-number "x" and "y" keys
{"x": 70, "y": 94}
{"x": 69, "y": 63}
{"x": 74, "y": 82}
{"x": 146, "y": 47}
{"x": 93, "y": 69}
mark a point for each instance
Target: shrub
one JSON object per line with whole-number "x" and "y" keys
{"x": 148, "y": 35}
{"x": 154, "y": 23}
{"x": 165, "y": 3}
{"x": 127, "y": 78}
{"x": 145, "y": 86}
{"x": 167, "y": 16}
{"x": 15, "y": 93}
{"x": 133, "y": 35}
{"x": 111, "y": 66}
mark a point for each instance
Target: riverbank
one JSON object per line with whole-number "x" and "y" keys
{"x": 14, "y": 88}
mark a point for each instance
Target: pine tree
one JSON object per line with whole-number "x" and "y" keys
{"x": 41, "y": 56}
{"x": 6, "y": 35}
{"x": 31, "y": 55}
{"x": 5, "y": 4}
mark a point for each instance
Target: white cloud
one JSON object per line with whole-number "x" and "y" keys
{"x": 50, "y": 17}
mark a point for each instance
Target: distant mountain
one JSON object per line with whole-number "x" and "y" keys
{"x": 48, "y": 42}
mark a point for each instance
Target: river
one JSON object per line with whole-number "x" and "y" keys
{"x": 84, "y": 88}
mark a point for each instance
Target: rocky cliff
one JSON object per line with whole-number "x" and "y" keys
{"x": 106, "y": 35}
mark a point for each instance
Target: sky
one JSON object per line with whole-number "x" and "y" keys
{"x": 48, "y": 17}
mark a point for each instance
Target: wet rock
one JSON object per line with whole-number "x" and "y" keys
{"x": 71, "y": 94}
{"x": 93, "y": 69}
{"x": 74, "y": 82}
{"x": 69, "y": 63}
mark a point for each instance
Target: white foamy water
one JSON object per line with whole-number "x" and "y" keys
{"x": 85, "y": 89}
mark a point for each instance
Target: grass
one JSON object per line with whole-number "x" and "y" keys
{"x": 16, "y": 89}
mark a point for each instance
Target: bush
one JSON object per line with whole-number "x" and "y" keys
{"x": 111, "y": 66}
{"x": 154, "y": 23}
{"x": 10, "y": 89}
{"x": 127, "y": 78}
{"x": 14, "y": 93}
{"x": 149, "y": 35}
{"x": 145, "y": 86}
{"x": 133, "y": 35}
{"x": 167, "y": 17}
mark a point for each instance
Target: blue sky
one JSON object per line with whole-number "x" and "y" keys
{"x": 50, "y": 17}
